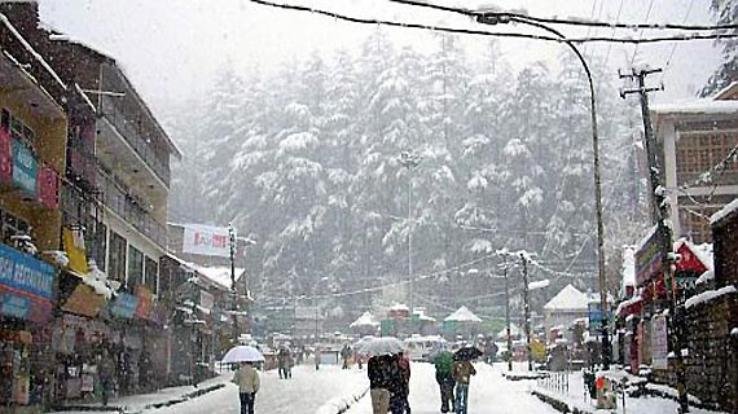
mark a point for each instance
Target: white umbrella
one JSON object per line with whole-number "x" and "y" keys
{"x": 382, "y": 346}
{"x": 243, "y": 353}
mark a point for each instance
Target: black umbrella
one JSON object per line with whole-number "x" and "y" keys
{"x": 467, "y": 354}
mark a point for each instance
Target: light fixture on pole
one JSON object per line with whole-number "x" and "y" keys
{"x": 495, "y": 17}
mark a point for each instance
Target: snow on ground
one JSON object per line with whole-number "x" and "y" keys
{"x": 304, "y": 393}
{"x": 489, "y": 393}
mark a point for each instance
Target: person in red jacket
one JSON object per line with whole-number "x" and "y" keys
{"x": 403, "y": 364}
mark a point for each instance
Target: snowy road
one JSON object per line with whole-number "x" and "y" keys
{"x": 489, "y": 393}
{"x": 304, "y": 393}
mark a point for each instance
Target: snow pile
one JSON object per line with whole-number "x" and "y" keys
{"x": 366, "y": 319}
{"x": 706, "y": 277}
{"x": 708, "y": 296}
{"x": 628, "y": 270}
{"x": 569, "y": 298}
{"x": 463, "y": 314}
{"x": 734, "y": 332}
{"x": 338, "y": 405}
{"x": 725, "y": 211}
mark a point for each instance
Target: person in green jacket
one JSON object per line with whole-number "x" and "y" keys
{"x": 444, "y": 362}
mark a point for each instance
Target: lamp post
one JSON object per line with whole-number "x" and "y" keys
{"x": 410, "y": 160}
{"x": 493, "y": 18}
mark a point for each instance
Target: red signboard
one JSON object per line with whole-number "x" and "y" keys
{"x": 145, "y": 302}
{"x": 689, "y": 261}
{"x": 48, "y": 187}
{"x": 6, "y": 159}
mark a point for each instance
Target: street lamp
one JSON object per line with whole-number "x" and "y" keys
{"x": 493, "y": 18}
{"x": 410, "y": 160}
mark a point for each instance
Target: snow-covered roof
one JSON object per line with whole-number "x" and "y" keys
{"x": 5, "y": 21}
{"x": 514, "y": 331}
{"x": 697, "y": 106}
{"x": 702, "y": 251}
{"x": 725, "y": 211}
{"x": 726, "y": 91}
{"x": 708, "y": 296}
{"x": 705, "y": 277}
{"x": 423, "y": 317}
{"x": 366, "y": 319}
{"x": 399, "y": 307}
{"x": 463, "y": 314}
{"x": 568, "y": 298}
{"x": 219, "y": 274}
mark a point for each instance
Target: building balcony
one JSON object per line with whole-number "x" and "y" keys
{"x": 131, "y": 209}
{"x": 116, "y": 126}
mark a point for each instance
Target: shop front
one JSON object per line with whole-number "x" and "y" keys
{"x": 26, "y": 303}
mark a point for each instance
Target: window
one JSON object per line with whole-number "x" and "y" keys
{"x": 699, "y": 152}
{"x": 695, "y": 223}
{"x": 5, "y": 120}
{"x": 12, "y": 225}
{"x": 135, "y": 267}
{"x": 117, "y": 258}
{"x": 152, "y": 275}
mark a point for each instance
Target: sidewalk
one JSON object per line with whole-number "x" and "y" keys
{"x": 570, "y": 396}
{"x": 133, "y": 404}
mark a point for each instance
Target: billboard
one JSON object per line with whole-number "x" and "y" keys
{"x": 649, "y": 258}
{"x": 206, "y": 240}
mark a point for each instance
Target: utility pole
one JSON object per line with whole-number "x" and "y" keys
{"x": 526, "y": 309}
{"x": 232, "y": 245}
{"x": 410, "y": 160}
{"x": 507, "y": 314}
{"x": 660, "y": 215}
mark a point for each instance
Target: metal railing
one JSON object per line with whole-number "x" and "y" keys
{"x": 133, "y": 136}
{"x": 130, "y": 209}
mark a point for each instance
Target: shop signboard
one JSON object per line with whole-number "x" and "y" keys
{"x": 48, "y": 187}
{"x": 124, "y": 306}
{"x": 649, "y": 257}
{"x": 6, "y": 158}
{"x": 206, "y": 240}
{"x": 145, "y": 302}
{"x": 84, "y": 301}
{"x": 659, "y": 342}
{"x": 24, "y": 167}
{"x": 26, "y": 286}
{"x": 74, "y": 247}
{"x": 595, "y": 317}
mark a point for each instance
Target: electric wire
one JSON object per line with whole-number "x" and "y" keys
{"x": 667, "y": 65}
{"x": 640, "y": 34}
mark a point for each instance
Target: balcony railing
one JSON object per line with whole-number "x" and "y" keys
{"x": 130, "y": 210}
{"x": 133, "y": 136}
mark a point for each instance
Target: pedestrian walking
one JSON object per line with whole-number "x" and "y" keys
{"x": 247, "y": 379}
{"x": 316, "y": 358}
{"x": 403, "y": 363}
{"x": 107, "y": 373}
{"x": 345, "y": 355}
{"x": 379, "y": 372}
{"x": 462, "y": 373}
{"x": 284, "y": 362}
{"x": 444, "y": 364}
{"x": 397, "y": 386}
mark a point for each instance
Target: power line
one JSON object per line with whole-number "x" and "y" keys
{"x": 570, "y": 21}
{"x": 609, "y": 46}
{"x": 674, "y": 47}
{"x": 672, "y": 38}
{"x": 640, "y": 35}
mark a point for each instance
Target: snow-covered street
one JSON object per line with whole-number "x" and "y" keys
{"x": 304, "y": 393}
{"x": 489, "y": 393}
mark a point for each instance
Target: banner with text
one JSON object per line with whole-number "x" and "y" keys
{"x": 206, "y": 240}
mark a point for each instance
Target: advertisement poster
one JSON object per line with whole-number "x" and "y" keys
{"x": 24, "y": 167}
{"x": 659, "y": 342}
{"x": 648, "y": 258}
{"x": 206, "y": 240}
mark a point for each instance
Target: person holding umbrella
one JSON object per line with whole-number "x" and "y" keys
{"x": 246, "y": 377}
{"x": 462, "y": 372}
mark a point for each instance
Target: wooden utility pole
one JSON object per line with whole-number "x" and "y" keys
{"x": 507, "y": 314}
{"x": 526, "y": 309}
{"x": 660, "y": 214}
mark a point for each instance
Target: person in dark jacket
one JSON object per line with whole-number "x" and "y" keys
{"x": 403, "y": 363}
{"x": 444, "y": 364}
{"x": 379, "y": 371}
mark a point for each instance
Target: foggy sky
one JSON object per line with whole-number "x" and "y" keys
{"x": 173, "y": 48}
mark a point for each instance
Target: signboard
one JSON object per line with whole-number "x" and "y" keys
{"x": 659, "y": 342}
{"x": 206, "y": 240}
{"x": 74, "y": 246}
{"x": 24, "y": 167}
{"x": 84, "y": 301}
{"x": 48, "y": 187}
{"x": 6, "y": 158}
{"x": 648, "y": 258}
{"x": 26, "y": 286}
{"x": 124, "y": 306}
{"x": 595, "y": 317}
{"x": 145, "y": 302}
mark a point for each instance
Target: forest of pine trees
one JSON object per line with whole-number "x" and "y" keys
{"x": 306, "y": 161}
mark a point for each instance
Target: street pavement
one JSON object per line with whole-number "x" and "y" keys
{"x": 489, "y": 393}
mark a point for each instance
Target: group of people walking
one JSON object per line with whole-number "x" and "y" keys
{"x": 453, "y": 377}
{"x": 389, "y": 383}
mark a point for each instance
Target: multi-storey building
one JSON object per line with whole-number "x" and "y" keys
{"x": 695, "y": 139}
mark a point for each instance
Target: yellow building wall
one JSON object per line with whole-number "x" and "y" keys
{"x": 50, "y": 128}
